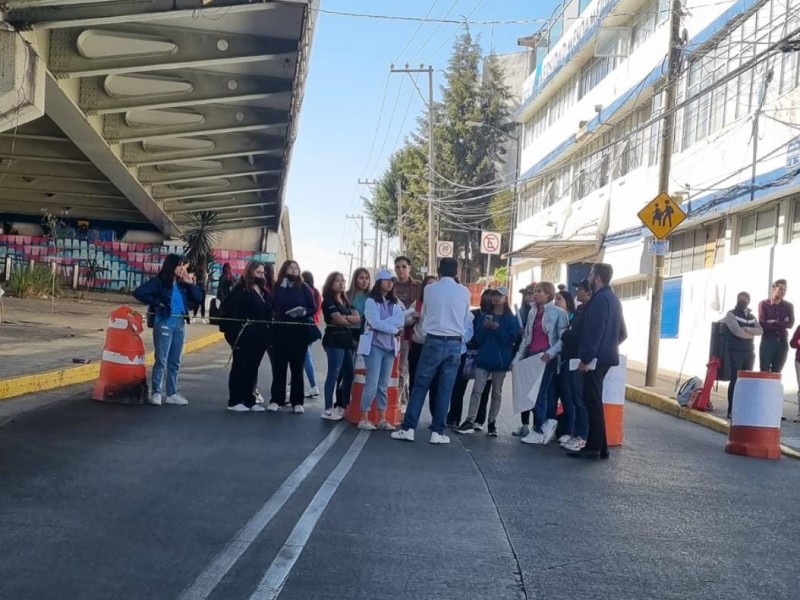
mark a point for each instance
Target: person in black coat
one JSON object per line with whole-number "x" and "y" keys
{"x": 248, "y": 311}
{"x": 603, "y": 331}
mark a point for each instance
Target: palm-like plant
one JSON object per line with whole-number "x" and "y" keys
{"x": 199, "y": 238}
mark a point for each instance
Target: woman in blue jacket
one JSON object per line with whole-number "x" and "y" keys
{"x": 168, "y": 296}
{"x": 495, "y": 334}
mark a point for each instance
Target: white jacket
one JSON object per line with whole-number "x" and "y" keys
{"x": 392, "y": 325}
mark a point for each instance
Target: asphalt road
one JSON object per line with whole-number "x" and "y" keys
{"x": 101, "y": 502}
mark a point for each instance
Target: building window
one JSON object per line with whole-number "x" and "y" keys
{"x": 696, "y": 249}
{"x": 795, "y": 231}
{"x": 631, "y": 290}
{"x": 757, "y": 229}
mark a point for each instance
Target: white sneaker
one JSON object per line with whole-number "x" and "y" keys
{"x": 575, "y": 444}
{"x": 534, "y": 437}
{"x": 386, "y": 426}
{"x": 177, "y": 400}
{"x": 239, "y": 408}
{"x": 549, "y": 430}
{"x": 404, "y": 435}
{"x": 273, "y": 407}
{"x": 339, "y": 412}
{"x": 257, "y": 408}
{"x": 313, "y": 392}
{"x": 564, "y": 439}
{"x": 259, "y": 398}
{"x": 438, "y": 438}
{"x": 298, "y": 410}
{"x": 478, "y": 426}
{"x": 331, "y": 415}
{"x": 367, "y": 426}
{"x": 155, "y": 399}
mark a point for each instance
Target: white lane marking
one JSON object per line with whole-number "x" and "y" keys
{"x": 210, "y": 577}
{"x": 274, "y": 579}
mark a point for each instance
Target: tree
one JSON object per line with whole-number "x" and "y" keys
{"x": 199, "y": 238}
{"x": 467, "y": 157}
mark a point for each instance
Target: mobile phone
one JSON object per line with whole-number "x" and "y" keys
{"x": 490, "y": 318}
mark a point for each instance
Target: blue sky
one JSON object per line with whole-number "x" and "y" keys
{"x": 348, "y": 76}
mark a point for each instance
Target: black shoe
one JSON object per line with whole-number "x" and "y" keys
{"x": 491, "y": 429}
{"x": 605, "y": 455}
{"x": 465, "y": 428}
{"x": 590, "y": 454}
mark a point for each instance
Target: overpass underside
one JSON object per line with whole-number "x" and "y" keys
{"x": 151, "y": 111}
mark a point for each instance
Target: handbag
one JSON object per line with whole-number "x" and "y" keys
{"x": 365, "y": 342}
{"x": 313, "y": 333}
{"x": 470, "y": 365}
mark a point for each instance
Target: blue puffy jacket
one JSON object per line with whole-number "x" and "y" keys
{"x": 158, "y": 297}
{"x": 496, "y": 346}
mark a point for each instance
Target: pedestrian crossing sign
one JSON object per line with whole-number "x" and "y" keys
{"x": 661, "y": 215}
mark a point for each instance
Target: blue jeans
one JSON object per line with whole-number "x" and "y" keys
{"x": 570, "y": 387}
{"x": 440, "y": 357}
{"x": 547, "y": 400}
{"x": 168, "y": 337}
{"x": 379, "y": 369}
{"x": 309, "y": 366}
{"x": 340, "y": 363}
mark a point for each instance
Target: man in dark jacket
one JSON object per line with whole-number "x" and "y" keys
{"x": 603, "y": 331}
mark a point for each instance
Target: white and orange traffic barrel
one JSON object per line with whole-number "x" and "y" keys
{"x": 614, "y": 402}
{"x": 756, "y": 418}
{"x": 123, "y": 374}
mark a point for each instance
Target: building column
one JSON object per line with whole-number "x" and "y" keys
{"x": 22, "y": 82}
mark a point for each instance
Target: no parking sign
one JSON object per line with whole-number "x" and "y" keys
{"x": 490, "y": 242}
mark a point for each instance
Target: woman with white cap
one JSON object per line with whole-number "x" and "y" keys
{"x": 380, "y": 343}
{"x": 495, "y": 333}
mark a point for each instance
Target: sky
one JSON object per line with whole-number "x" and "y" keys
{"x": 344, "y": 135}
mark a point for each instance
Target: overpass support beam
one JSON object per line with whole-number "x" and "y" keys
{"x": 22, "y": 82}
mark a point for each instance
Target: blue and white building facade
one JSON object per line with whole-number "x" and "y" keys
{"x": 590, "y": 159}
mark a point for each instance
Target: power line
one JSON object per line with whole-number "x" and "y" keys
{"x": 417, "y": 30}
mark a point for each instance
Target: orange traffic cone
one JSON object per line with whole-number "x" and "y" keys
{"x": 353, "y": 411}
{"x": 123, "y": 375}
{"x": 393, "y": 412}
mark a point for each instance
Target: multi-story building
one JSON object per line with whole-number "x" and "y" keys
{"x": 591, "y": 138}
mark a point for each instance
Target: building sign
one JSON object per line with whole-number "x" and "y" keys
{"x": 661, "y": 215}
{"x": 574, "y": 40}
{"x": 793, "y": 154}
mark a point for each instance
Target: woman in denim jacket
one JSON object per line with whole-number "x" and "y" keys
{"x": 168, "y": 296}
{"x": 546, "y": 324}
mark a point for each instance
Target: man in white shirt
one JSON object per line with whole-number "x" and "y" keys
{"x": 447, "y": 324}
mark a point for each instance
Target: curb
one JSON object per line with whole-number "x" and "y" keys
{"x": 50, "y": 380}
{"x": 671, "y": 407}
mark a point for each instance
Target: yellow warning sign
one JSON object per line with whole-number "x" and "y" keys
{"x": 662, "y": 215}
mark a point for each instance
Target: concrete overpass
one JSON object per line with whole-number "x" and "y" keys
{"x": 146, "y": 112}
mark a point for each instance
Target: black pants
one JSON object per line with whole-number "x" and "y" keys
{"x": 738, "y": 360}
{"x": 201, "y": 307}
{"x": 414, "y": 351}
{"x": 772, "y": 354}
{"x": 244, "y": 374}
{"x": 593, "y": 397}
{"x": 288, "y": 351}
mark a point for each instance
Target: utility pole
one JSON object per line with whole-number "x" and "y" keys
{"x": 351, "y": 255}
{"x": 665, "y": 164}
{"x": 375, "y": 251}
{"x": 360, "y": 220}
{"x": 431, "y": 215}
{"x": 399, "y": 195}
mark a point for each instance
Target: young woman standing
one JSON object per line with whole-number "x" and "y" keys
{"x": 337, "y": 342}
{"x": 359, "y": 290}
{"x": 546, "y": 324}
{"x": 168, "y": 296}
{"x": 385, "y": 321}
{"x": 570, "y": 383}
{"x": 249, "y": 307}
{"x": 495, "y": 334}
{"x": 226, "y": 281}
{"x": 293, "y": 307}
{"x": 417, "y": 336}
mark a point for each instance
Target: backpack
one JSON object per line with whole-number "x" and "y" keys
{"x": 685, "y": 392}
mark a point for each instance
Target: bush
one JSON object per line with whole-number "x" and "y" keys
{"x": 33, "y": 282}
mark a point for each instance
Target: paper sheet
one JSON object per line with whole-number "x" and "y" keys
{"x": 574, "y": 362}
{"x": 526, "y": 379}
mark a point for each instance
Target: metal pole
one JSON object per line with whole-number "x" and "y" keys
{"x": 375, "y": 249}
{"x": 488, "y": 268}
{"x": 431, "y": 232}
{"x": 667, "y": 135}
{"x": 400, "y": 216}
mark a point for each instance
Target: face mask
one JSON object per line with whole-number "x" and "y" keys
{"x": 260, "y": 281}
{"x": 741, "y": 305}
{"x": 291, "y": 278}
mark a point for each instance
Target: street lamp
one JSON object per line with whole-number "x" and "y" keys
{"x": 516, "y": 179}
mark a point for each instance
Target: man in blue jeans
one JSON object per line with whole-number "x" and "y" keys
{"x": 447, "y": 324}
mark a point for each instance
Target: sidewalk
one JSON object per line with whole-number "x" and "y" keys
{"x": 666, "y": 386}
{"x": 41, "y": 337}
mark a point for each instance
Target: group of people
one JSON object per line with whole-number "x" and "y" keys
{"x": 428, "y": 327}
{"x": 773, "y": 322}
